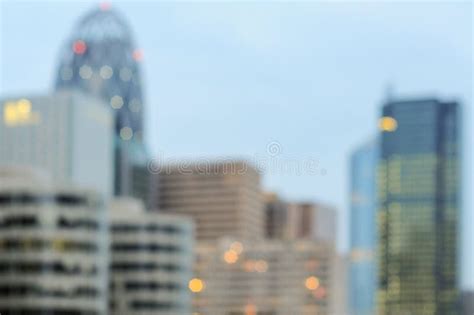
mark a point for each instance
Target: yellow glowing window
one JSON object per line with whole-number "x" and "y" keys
{"x": 388, "y": 124}
{"x": 230, "y": 256}
{"x": 312, "y": 283}
{"x": 196, "y": 285}
{"x": 19, "y": 112}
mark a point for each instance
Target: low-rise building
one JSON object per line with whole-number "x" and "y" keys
{"x": 53, "y": 247}
{"x": 151, "y": 261}
{"x": 270, "y": 277}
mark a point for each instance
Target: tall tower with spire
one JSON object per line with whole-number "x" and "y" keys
{"x": 100, "y": 58}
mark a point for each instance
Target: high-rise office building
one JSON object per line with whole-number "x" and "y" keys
{"x": 313, "y": 221}
{"x": 418, "y": 200}
{"x": 223, "y": 198}
{"x": 53, "y": 247}
{"x": 266, "y": 277}
{"x": 362, "y": 275}
{"x": 151, "y": 261}
{"x": 145, "y": 185}
{"x": 276, "y": 217}
{"x": 299, "y": 220}
{"x": 338, "y": 300}
{"x": 101, "y": 59}
{"x": 68, "y": 134}
{"x": 467, "y": 303}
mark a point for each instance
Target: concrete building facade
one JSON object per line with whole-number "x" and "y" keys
{"x": 151, "y": 261}
{"x": 53, "y": 247}
{"x": 223, "y": 198}
{"x": 267, "y": 278}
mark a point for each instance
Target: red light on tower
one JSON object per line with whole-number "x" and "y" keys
{"x": 137, "y": 55}
{"x": 105, "y": 6}
{"x": 79, "y": 47}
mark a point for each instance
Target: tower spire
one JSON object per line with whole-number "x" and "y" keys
{"x": 389, "y": 92}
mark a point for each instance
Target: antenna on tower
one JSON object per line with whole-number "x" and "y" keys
{"x": 389, "y": 92}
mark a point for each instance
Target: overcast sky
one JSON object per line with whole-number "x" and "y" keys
{"x": 241, "y": 79}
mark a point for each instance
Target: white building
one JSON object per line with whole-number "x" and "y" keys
{"x": 53, "y": 247}
{"x": 67, "y": 134}
{"x": 151, "y": 261}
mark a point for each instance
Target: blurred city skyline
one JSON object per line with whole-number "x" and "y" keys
{"x": 239, "y": 75}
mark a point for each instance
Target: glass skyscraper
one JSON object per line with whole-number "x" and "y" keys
{"x": 418, "y": 194}
{"x": 100, "y": 58}
{"x": 362, "y": 273}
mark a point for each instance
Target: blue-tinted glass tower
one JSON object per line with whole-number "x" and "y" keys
{"x": 362, "y": 269}
{"x": 100, "y": 58}
{"x": 418, "y": 208}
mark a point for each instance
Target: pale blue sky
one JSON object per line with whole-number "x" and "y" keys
{"x": 227, "y": 79}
